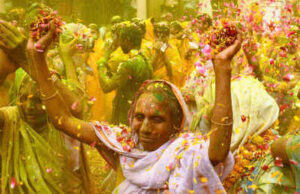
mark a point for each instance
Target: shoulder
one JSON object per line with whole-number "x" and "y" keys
{"x": 116, "y": 138}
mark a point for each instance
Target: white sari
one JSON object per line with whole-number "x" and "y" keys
{"x": 181, "y": 165}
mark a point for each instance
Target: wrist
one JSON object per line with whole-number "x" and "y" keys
{"x": 222, "y": 68}
{"x": 35, "y": 55}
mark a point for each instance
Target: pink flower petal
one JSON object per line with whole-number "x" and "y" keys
{"x": 288, "y": 77}
{"x": 278, "y": 162}
{"x": 13, "y": 182}
{"x": 49, "y": 170}
{"x": 74, "y": 105}
{"x": 293, "y": 162}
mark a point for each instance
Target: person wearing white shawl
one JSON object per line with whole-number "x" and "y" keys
{"x": 254, "y": 110}
{"x": 153, "y": 157}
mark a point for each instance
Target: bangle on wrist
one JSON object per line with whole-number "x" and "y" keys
{"x": 45, "y": 98}
{"x": 228, "y": 123}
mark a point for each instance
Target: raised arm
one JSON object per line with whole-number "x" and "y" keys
{"x": 222, "y": 119}
{"x": 67, "y": 50}
{"x": 12, "y": 43}
{"x": 58, "y": 111}
{"x": 13, "y": 55}
{"x": 108, "y": 83}
{"x": 74, "y": 101}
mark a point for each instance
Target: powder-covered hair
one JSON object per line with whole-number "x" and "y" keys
{"x": 164, "y": 93}
{"x": 162, "y": 27}
{"x": 132, "y": 33}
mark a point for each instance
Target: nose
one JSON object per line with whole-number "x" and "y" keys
{"x": 145, "y": 128}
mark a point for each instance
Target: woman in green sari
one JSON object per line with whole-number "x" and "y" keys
{"x": 34, "y": 157}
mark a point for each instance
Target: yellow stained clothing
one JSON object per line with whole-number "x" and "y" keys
{"x": 185, "y": 24}
{"x": 146, "y": 48}
{"x": 100, "y": 109}
{"x": 149, "y": 35}
{"x": 116, "y": 58}
{"x": 195, "y": 37}
{"x": 188, "y": 63}
{"x": 160, "y": 69}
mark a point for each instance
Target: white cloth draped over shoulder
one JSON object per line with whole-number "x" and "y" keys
{"x": 254, "y": 110}
{"x": 181, "y": 165}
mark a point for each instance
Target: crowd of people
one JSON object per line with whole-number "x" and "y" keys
{"x": 197, "y": 104}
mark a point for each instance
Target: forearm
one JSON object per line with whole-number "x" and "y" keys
{"x": 70, "y": 67}
{"x": 107, "y": 84}
{"x": 57, "y": 110}
{"x": 47, "y": 88}
{"x": 221, "y": 126}
{"x": 74, "y": 102}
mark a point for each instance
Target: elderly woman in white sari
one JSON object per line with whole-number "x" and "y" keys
{"x": 152, "y": 154}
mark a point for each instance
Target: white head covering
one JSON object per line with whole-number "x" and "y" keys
{"x": 181, "y": 165}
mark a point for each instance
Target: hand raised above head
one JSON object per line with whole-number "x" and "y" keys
{"x": 224, "y": 58}
{"x": 43, "y": 43}
{"x": 10, "y": 36}
{"x": 68, "y": 48}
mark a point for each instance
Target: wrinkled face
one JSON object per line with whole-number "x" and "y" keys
{"x": 31, "y": 106}
{"x": 152, "y": 122}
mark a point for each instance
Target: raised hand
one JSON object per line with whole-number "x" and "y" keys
{"x": 10, "y": 36}
{"x": 227, "y": 54}
{"x": 39, "y": 47}
{"x": 13, "y": 43}
{"x": 222, "y": 118}
{"x": 68, "y": 48}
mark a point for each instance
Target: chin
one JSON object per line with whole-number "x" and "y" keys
{"x": 149, "y": 147}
